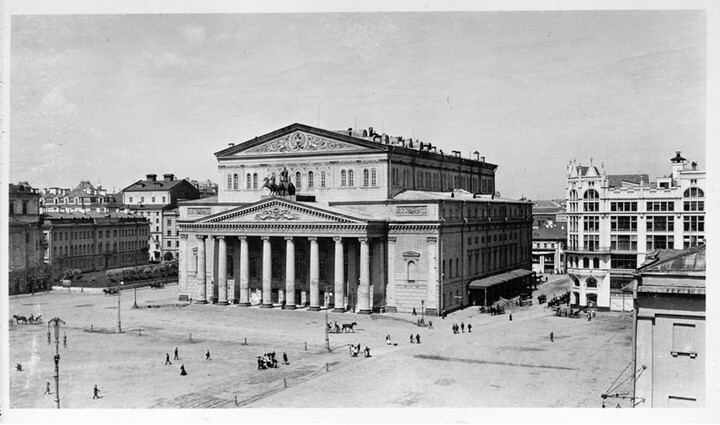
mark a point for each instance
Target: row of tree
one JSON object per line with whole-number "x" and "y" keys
{"x": 137, "y": 273}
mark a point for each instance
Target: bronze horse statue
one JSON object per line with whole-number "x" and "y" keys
{"x": 282, "y": 189}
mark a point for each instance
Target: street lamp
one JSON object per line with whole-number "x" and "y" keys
{"x": 422, "y": 311}
{"x": 327, "y": 328}
{"x": 119, "y": 322}
{"x": 135, "y": 294}
{"x": 56, "y": 323}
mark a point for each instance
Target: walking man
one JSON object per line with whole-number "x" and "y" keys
{"x": 176, "y": 354}
{"x": 469, "y": 328}
{"x": 182, "y": 370}
{"x": 552, "y": 337}
{"x": 207, "y": 355}
{"x": 429, "y": 324}
{"x": 167, "y": 359}
{"x": 414, "y": 312}
{"x": 417, "y": 338}
{"x": 412, "y": 339}
{"x": 511, "y": 317}
{"x": 462, "y": 326}
{"x": 47, "y": 389}
{"x": 96, "y": 392}
{"x": 285, "y": 359}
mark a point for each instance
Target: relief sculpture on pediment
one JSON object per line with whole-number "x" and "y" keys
{"x": 277, "y": 214}
{"x": 299, "y": 141}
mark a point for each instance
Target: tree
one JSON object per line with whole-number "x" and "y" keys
{"x": 168, "y": 256}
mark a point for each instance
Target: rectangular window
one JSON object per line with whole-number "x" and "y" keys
{"x": 591, "y": 242}
{"x": 623, "y": 206}
{"x": 169, "y": 222}
{"x": 683, "y": 338}
{"x": 659, "y": 242}
{"x": 153, "y": 199}
{"x": 591, "y": 223}
{"x": 623, "y": 242}
{"x": 169, "y": 244}
{"x": 130, "y": 200}
{"x": 694, "y": 223}
{"x": 621, "y": 223}
{"x": 591, "y": 206}
{"x": 620, "y": 261}
{"x": 142, "y": 199}
{"x": 163, "y": 199}
{"x": 660, "y": 206}
{"x": 660, "y": 223}
{"x": 694, "y": 206}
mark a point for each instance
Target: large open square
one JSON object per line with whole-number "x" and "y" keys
{"x": 501, "y": 363}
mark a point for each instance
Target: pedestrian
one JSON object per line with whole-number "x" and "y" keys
{"x": 207, "y": 355}
{"x": 48, "y": 334}
{"x": 18, "y": 367}
{"x": 511, "y": 317}
{"x": 182, "y": 370}
{"x": 367, "y": 351}
{"x": 414, "y": 312}
{"x": 462, "y": 326}
{"x": 167, "y": 359}
{"x": 64, "y": 341}
{"x": 412, "y": 339}
{"x": 47, "y": 389}
{"x": 417, "y": 338}
{"x": 429, "y": 324}
{"x": 96, "y": 392}
{"x": 285, "y": 359}
{"x": 176, "y": 354}
{"x": 387, "y": 340}
{"x": 552, "y": 337}
{"x": 469, "y": 328}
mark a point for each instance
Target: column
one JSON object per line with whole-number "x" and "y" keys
{"x": 266, "y": 273}
{"x": 222, "y": 271}
{"x": 339, "y": 277}
{"x": 390, "y": 300}
{"x": 364, "y": 288}
{"x": 244, "y": 273}
{"x": 352, "y": 277}
{"x": 182, "y": 271}
{"x": 289, "y": 273}
{"x": 431, "y": 302}
{"x": 235, "y": 296}
{"x": 201, "y": 273}
{"x": 314, "y": 275}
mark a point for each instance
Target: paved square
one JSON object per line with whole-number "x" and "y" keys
{"x": 501, "y": 363}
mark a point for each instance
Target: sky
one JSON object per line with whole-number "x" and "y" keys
{"x": 111, "y": 98}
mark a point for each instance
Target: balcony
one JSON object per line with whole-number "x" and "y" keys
{"x": 584, "y": 250}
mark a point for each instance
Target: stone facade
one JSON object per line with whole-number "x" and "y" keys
{"x": 615, "y": 220}
{"x": 368, "y": 228}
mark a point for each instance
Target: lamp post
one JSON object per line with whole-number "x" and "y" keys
{"x": 327, "y": 328}
{"x": 422, "y": 311}
{"x": 119, "y": 322}
{"x": 135, "y": 299}
{"x": 56, "y": 323}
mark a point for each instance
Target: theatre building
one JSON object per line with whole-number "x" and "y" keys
{"x": 375, "y": 223}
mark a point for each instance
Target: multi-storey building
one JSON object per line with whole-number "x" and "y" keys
{"x": 207, "y": 188}
{"x": 150, "y": 198}
{"x": 670, "y": 354}
{"x": 25, "y": 239}
{"x": 84, "y": 198}
{"x": 371, "y": 223}
{"x": 615, "y": 220}
{"x": 549, "y": 236}
{"x": 95, "y": 241}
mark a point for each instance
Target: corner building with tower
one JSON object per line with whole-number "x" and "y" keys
{"x": 373, "y": 223}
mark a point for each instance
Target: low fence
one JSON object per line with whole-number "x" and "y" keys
{"x": 99, "y": 290}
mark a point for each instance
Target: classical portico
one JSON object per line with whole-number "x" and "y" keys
{"x": 279, "y": 252}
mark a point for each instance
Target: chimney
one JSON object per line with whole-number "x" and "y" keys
{"x": 482, "y": 159}
{"x": 151, "y": 177}
{"x": 429, "y": 147}
{"x": 370, "y": 132}
{"x": 410, "y": 143}
{"x": 168, "y": 177}
{"x": 364, "y": 133}
{"x": 386, "y": 139}
{"x": 421, "y": 146}
{"x": 694, "y": 166}
{"x": 477, "y": 155}
{"x": 350, "y": 131}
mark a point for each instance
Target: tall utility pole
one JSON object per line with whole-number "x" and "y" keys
{"x": 56, "y": 323}
{"x": 119, "y": 323}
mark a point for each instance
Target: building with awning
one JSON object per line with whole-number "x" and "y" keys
{"x": 510, "y": 284}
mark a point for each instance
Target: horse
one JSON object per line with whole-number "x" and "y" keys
{"x": 346, "y": 327}
{"x": 275, "y": 190}
{"x": 110, "y": 291}
{"x": 20, "y": 319}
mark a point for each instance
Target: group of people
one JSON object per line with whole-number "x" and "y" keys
{"x": 355, "y": 349}
{"x": 183, "y": 372}
{"x": 461, "y": 329}
{"x": 414, "y": 339}
{"x": 268, "y": 361}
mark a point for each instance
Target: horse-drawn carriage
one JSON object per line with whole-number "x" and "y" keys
{"x": 32, "y": 320}
{"x": 157, "y": 285}
{"x": 111, "y": 291}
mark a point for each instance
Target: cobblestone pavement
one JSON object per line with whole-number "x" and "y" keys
{"x": 501, "y": 363}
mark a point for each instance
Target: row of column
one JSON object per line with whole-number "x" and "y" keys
{"x": 364, "y": 296}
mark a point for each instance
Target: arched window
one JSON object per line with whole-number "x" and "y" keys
{"x": 573, "y": 195}
{"x": 322, "y": 178}
{"x": 411, "y": 271}
{"x": 298, "y": 180}
{"x": 457, "y": 267}
{"x": 229, "y": 184}
{"x": 590, "y": 200}
{"x": 24, "y": 207}
{"x": 366, "y": 178}
{"x": 596, "y": 263}
{"x": 350, "y": 178}
{"x": 586, "y": 263}
{"x": 311, "y": 179}
{"x": 343, "y": 178}
{"x": 694, "y": 192}
{"x": 255, "y": 181}
{"x": 248, "y": 181}
{"x": 373, "y": 177}
{"x": 576, "y": 281}
{"x": 591, "y": 282}
{"x": 236, "y": 181}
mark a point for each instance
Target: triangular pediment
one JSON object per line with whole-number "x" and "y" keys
{"x": 300, "y": 139}
{"x": 279, "y": 210}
